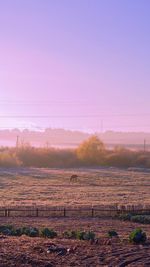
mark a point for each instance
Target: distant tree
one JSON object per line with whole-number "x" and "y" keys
{"x": 91, "y": 151}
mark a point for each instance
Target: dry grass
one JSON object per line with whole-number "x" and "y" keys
{"x": 53, "y": 187}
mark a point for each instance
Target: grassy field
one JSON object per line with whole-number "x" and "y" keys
{"x": 25, "y": 186}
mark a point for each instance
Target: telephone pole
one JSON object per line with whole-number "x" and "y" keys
{"x": 101, "y": 126}
{"x": 17, "y": 141}
{"x": 144, "y": 145}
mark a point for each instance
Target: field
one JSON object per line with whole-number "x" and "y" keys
{"x": 26, "y": 251}
{"x": 94, "y": 187}
{"x": 52, "y": 187}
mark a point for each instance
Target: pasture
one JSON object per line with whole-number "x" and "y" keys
{"x": 93, "y": 187}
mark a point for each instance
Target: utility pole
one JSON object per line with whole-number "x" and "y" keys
{"x": 144, "y": 145}
{"x": 47, "y": 144}
{"x": 101, "y": 126}
{"x": 17, "y": 141}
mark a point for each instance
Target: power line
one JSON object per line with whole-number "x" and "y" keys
{"x": 45, "y": 103}
{"x": 47, "y": 116}
{"x": 69, "y": 116}
{"x": 107, "y": 128}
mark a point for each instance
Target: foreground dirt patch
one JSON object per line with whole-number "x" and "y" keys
{"x": 100, "y": 226}
{"x": 25, "y": 251}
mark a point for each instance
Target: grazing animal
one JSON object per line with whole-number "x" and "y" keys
{"x": 74, "y": 178}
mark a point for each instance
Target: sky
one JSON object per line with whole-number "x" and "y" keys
{"x": 80, "y": 64}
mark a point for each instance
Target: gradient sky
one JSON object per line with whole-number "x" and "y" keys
{"x": 86, "y": 62}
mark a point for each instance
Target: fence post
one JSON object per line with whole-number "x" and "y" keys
{"x": 37, "y": 212}
{"x": 92, "y": 212}
{"x": 8, "y": 213}
{"x": 5, "y": 212}
{"x": 64, "y": 212}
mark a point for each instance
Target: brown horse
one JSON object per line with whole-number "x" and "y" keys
{"x": 74, "y": 178}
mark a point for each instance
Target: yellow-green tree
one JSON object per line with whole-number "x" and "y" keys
{"x": 91, "y": 151}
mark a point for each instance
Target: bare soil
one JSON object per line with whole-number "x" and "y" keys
{"x": 25, "y": 251}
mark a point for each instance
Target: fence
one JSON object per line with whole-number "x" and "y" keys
{"x": 69, "y": 212}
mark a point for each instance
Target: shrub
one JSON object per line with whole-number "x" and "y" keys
{"x": 9, "y": 159}
{"x": 6, "y": 229}
{"x": 70, "y": 234}
{"x": 89, "y": 236}
{"x": 30, "y": 231}
{"x": 81, "y": 235}
{"x": 125, "y": 217}
{"x": 50, "y": 233}
{"x": 10, "y": 230}
{"x": 16, "y": 232}
{"x": 122, "y": 158}
{"x": 112, "y": 233}
{"x": 137, "y": 236}
{"x": 145, "y": 219}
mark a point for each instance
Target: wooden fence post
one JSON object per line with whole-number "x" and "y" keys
{"x": 8, "y": 213}
{"x": 92, "y": 212}
{"x": 64, "y": 212}
{"x": 37, "y": 212}
{"x": 5, "y": 212}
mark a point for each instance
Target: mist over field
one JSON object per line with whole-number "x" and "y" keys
{"x": 61, "y": 138}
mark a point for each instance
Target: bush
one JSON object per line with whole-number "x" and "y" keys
{"x": 30, "y": 231}
{"x": 120, "y": 158}
{"x": 125, "y": 217}
{"x": 16, "y": 232}
{"x": 6, "y": 229}
{"x": 10, "y": 230}
{"x": 49, "y": 233}
{"x": 81, "y": 235}
{"x": 70, "y": 234}
{"x": 9, "y": 159}
{"x": 145, "y": 219}
{"x": 47, "y": 157}
{"x": 137, "y": 236}
{"x": 112, "y": 233}
{"x": 89, "y": 236}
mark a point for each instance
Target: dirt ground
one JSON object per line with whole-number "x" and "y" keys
{"x": 25, "y": 251}
{"x": 99, "y": 225}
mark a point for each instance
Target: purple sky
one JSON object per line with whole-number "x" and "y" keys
{"x": 75, "y": 58}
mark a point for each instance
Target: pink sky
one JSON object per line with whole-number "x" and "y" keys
{"x": 75, "y": 58}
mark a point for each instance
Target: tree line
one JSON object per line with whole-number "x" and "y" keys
{"x": 91, "y": 152}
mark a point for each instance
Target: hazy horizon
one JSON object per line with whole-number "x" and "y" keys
{"x": 61, "y": 138}
{"x": 80, "y": 65}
